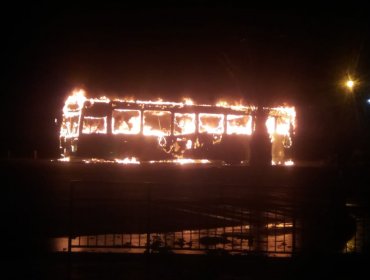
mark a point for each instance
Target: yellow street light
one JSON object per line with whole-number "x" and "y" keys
{"x": 350, "y": 84}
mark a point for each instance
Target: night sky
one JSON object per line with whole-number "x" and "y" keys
{"x": 206, "y": 53}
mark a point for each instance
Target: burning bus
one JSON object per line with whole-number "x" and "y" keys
{"x": 158, "y": 130}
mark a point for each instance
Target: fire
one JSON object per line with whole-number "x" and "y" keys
{"x": 64, "y": 159}
{"x": 75, "y": 101}
{"x": 211, "y": 123}
{"x": 180, "y": 127}
{"x": 94, "y": 125}
{"x": 127, "y": 160}
{"x": 188, "y": 101}
{"x": 182, "y": 161}
{"x": 72, "y": 114}
{"x": 157, "y": 123}
{"x": 239, "y": 124}
{"x": 126, "y": 121}
{"x": 184, "y": 124}
{"x": 281, "y": 124}
{"x": 281, "y": 120}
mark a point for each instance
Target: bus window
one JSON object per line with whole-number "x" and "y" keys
{"x": 126, "y": 121}
{"x": 94, "y": 125}
{"x": 211, "y": 123}
{"x": 157, "y": 123}
{"x": 239, "y": 124}
{"x": 184, "y": 124}
{"x": 70, "y": 126}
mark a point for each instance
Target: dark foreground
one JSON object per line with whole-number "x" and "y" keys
{"x": 113, "y": 266}
{"x": 322, "y": 205}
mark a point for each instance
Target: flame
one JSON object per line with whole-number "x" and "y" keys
{"x": 96, "y": 160}
{"x": 72, "y": 114}
{"x": 184, "y": 124}
{"x": 222, "y": 103}
{"x": 94, "y": 125}
{"x": 189, "y": 144}
{"x": 239, "y": 124}
{"x": 238, "y": 106}
{"x": 286, "y": 163}
{"x": 157, "y": 123}
{"x": 289, "y": 163}
{"x": 211, "y": 123}
{"x": 74, "y": 102}
{"x": 188, "y": 101}
{"x": 127, "y": 160}
{"x": 182, "y": 161}
{"x": 126, "y": 121}
{"x": 65, "y": 159}
{"x": 160, "y": 119}
{"x": 281, "y": 124}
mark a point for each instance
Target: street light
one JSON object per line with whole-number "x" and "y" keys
{"x": 350, "y": 84}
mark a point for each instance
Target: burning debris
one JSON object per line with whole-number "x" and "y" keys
{"x": 108, "y": 129}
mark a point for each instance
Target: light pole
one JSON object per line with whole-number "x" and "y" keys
{"x": 357, "y": 126}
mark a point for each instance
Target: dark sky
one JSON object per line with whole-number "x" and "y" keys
{"x": 203, "y": 52}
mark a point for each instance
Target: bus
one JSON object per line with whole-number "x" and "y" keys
{"x": 158, "y": 130}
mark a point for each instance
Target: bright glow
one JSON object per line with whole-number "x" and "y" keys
{"x": 188, "y": 101}
{"x": 65, "y": 159}
{"x": 127, "y": 160}
{"x": 239, "y": 124}
{"x": 74, "y": 102}
{"x": 281, "y": 123}
{"x": 236, "y": 106}
{"x": 280, "y": 225}
{"x": 211, "y": 123}
{"x": 70, "y": 125}
{"x": 350, "y": 84}
{"x": 126, "y": 121}
{"x": 289, "y": 163}
{"x": 182, "y": 161}
{"x": 368, "y": 101}
{"x": 184, "y": 124}
{"x": 96, "y": 160}
{"x": 281, "y": 120}
{"x": 94, "y": 125}
{"x": 189, "y": 144}
{"x": 157, "y": 123}
{"x": 179, "y": 119}
{"x": 72, "y": 114}
{"x": 270, "y": 124}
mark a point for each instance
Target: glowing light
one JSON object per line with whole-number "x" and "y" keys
{"x": 126, "y": 121}
{"x": 74, "y": 102}
{"x": 235, "y": 106}
{"x": 182, "y": 161}
{"x": 163, "y": 118}
{"x": 189, "y": 144}
{"x": 211, "y": 123}
{"x": 270, "y": 124}
{"x": 127, "y": 160}
{"x": 188, "y": 101}
{"x": 157, "y": 123}
{"x": 239, "y": 124}
{"x": 94, "y": 125}
{"x": 350, "y": 84}
{"x": 97, "y": 160}
{"x": 289, "y": 163}
{"x": 65, "y": 159}
{"x": 184, "y": 124}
